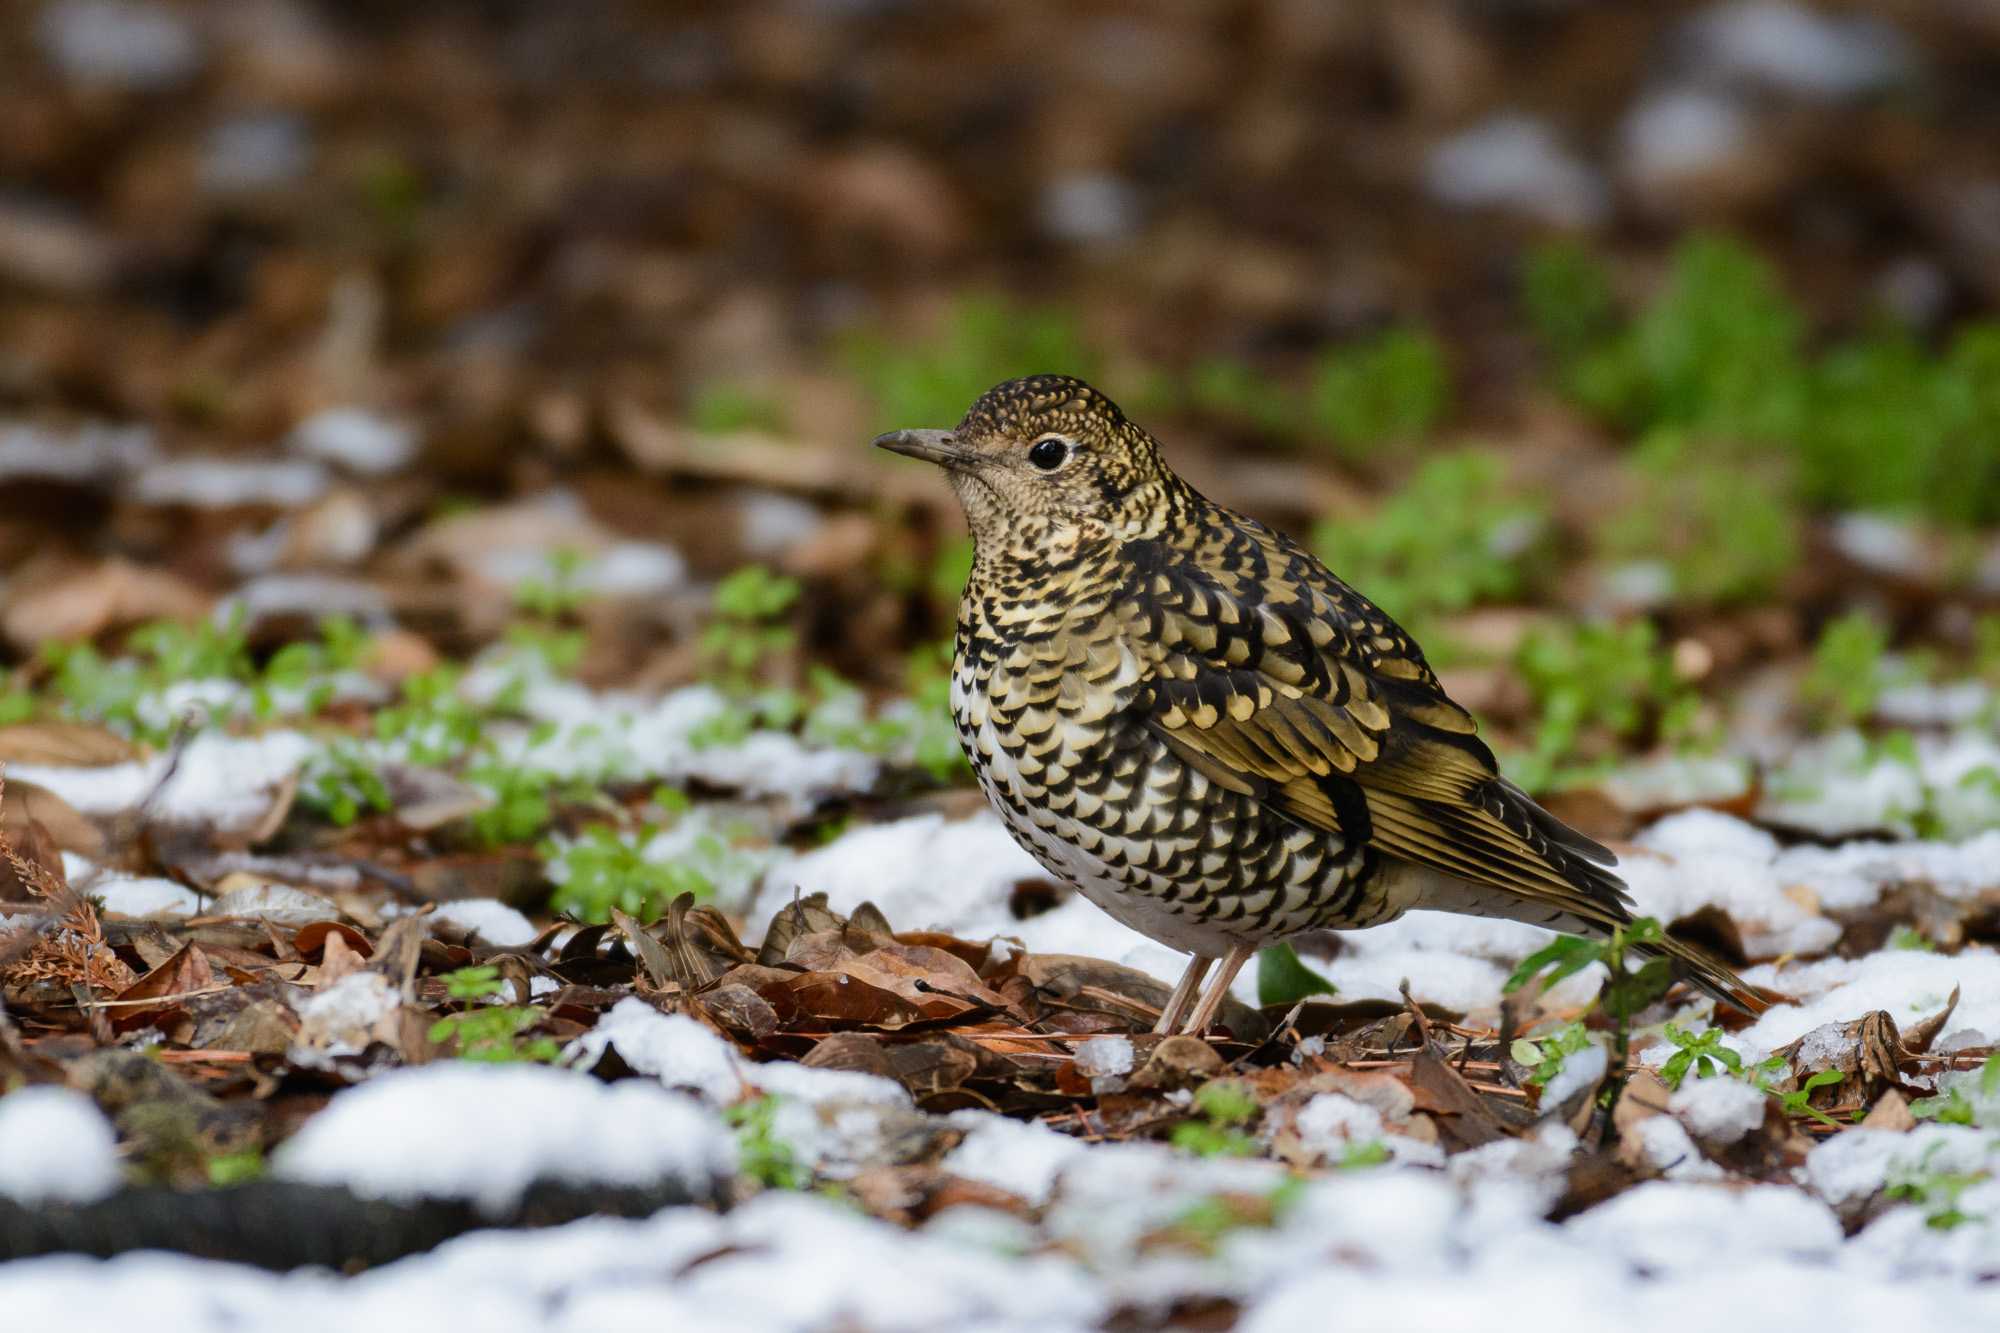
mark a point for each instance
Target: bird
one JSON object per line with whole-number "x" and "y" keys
{"x": 1186, "y": 716}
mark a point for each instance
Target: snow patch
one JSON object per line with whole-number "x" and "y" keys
{"x": 486, "y": 1133}
{"x": 1908, "y": 984}
{"x": 224, "y": 781}
{"x": 55, "y": 1145}
{"x": 356, "y": 439}
{"x": 224, "y": 483}
{"x": 486, "y": 921}
{"x": 1515, "y": 162}
{"x": 1718, "y": 1111}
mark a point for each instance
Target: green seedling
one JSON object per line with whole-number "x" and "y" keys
{"x": 760, "y": 1154}
{"x": 1224, "y": 1107}
{"x": 1700, "y": 1053}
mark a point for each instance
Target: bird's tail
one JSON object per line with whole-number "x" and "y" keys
{"x": 1706, "y": 973}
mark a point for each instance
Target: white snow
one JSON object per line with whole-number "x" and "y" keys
{"x": 673, "y": 1048}
{"x": 131, "y": 895}
{"x": 633, "y": 737}
{"x": 622, "y": 569}
{"x": 314, "y": 595}
{"x": 225, "y": 781}
{"x": 1580, "y": 1070}
{"x": 55, "y": 1145}
{"x": 344, "y": 1017}
{"x": 1843, "y": 786}
{"x": 356, "y": 439}
{"x": 119, "y": 44}
{"x": 1673, "y": 781}
{"x": 85, "y": 454}
{"x": 1793, "y": 49}
{"x": 485, "y": 921}
{"x": 1104, "y": 1057}
{"x": 831, "y": 1119}
{"x": 1718, "y": 1111}
{"x": 1852, "y": 1167}
{"x": 1331, "y": 1122}
{"x": 1704, "y": 859}
{"x": 1087, "y": 207}
{"x": 1514, "y": 161}
{"x": 1669, "y": 1150}
{"x": 224, "y": 483}
{"x": 1026, "y": 1157}
{"x": 1668, "y": 1226}
{"x": 1908, "y": 983}
{"x": 1681, "y": 133}
{"x": 929, "y": 873}
{"x": 466, "y": 1130}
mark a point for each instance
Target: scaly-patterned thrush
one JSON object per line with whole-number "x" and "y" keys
{"x": 1189, "y": 718}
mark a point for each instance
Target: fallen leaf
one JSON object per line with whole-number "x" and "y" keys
{"x": 63, "y": 745}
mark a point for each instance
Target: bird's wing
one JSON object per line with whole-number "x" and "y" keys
{"x": 1275, "y": 679}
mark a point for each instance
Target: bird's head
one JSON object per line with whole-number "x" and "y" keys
{"x": 1046, "y": 462}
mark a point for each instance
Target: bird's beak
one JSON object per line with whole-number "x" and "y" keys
{"x": 933, "y": 446}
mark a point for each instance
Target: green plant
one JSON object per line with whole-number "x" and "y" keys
{"x": 1701, "y": 1053}
{"x": 1848, "y": 671}
{"x": 561, "y": 592}
{"x": 1723, "y": 522}
{"x": 1611, "y": 680}
{"x": 521, "y": 807}
{"x": 1237, "y": 392}
{"x": 1797, "y": 1102}
{"x": 342, "y": 783}
{"x": 1627, "y": 990}
{"x": 601, "y": 870}
{"x": 1224, "y": 1106}
{"x": 760, "y": 1153}
{"x": 1545, "y": 1056}
{"x": 1207, "y": 1221}
{"x": 747, "y": 631}
{"x": 16, "y": 705}
{"x": 481, "y": 981}
{"x": 1910, "y": 939}
{"x": 236, "y": 1168}
{"x": 1935, "y": 1191}
{"x": 1896, "y": 428}
{"x": 921, "y": 729}
{"x": 434, "y": 722}
{"x": 1454, "y": 537}
{"x": 488, "y": 1032}
{"x": 1878, "y": 422}
{"x": 1358, "y": 1156}
{"x": 1568, "y": 297}
{"x": 1283, "y": 980}
{"x": 1395, "y": 386}
{"x": 1951, "y": 1106}
{"x": 726, "y": 408}
{"x": 984, "y": 341}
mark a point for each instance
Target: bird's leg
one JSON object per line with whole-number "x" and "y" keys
{"x": 1183, "y": 996}
{"x": 1211, "y": 999}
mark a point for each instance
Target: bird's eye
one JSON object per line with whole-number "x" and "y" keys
{"x": 1050, "y": 452}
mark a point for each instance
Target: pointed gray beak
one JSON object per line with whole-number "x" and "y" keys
{"x": 933, "y": 446}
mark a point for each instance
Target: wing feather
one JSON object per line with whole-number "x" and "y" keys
{"x": 1275, "y": 679}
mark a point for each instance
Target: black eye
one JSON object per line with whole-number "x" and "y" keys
{"x": 1050, "y": 453}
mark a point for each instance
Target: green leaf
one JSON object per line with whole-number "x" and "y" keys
{"x": 1561, "y": 957}
{"x": 1282, "y": 980}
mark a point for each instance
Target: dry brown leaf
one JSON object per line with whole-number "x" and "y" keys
{"x": 63, "y": 745}
{"x": 54, "y": 601}
{"x": 27, "y": 805}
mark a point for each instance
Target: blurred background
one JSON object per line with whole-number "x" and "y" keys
{"x": 1640, "y": 356}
